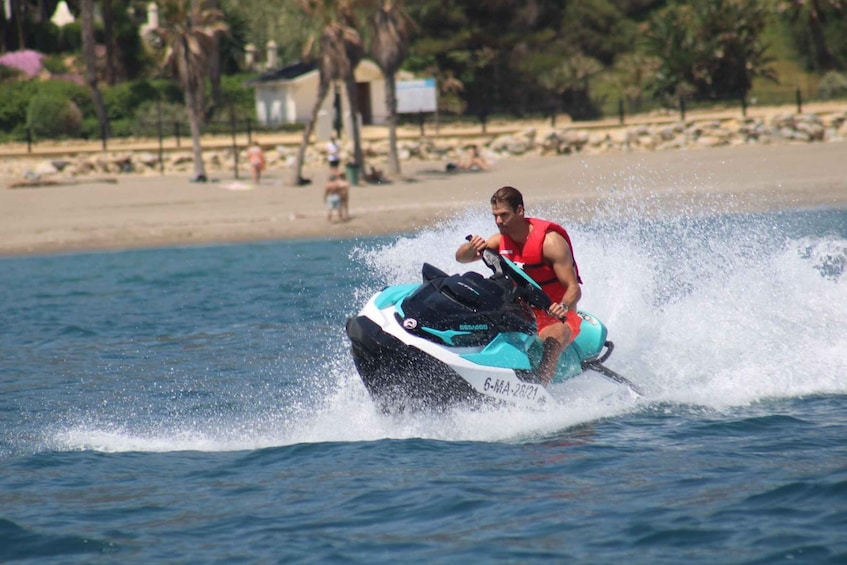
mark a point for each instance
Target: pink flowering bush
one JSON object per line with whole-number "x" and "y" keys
{"x": 26, "y": 61}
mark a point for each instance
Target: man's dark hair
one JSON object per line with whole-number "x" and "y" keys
{"x": 508, "y": 195}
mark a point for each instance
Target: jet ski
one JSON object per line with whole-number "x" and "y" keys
{"x": 466, "y": 339}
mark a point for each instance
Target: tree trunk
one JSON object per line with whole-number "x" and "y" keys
{"x": 90, "y": 56}
{"x": 195, "y": 120}
{"x": 17, "y": 8}
{"x": 353, "y": 103}
{"x": 823, "y": 57}
{"x": 323, "y": 90}
{"x": 391, "y": 106}
{"x": 109, "y": 39}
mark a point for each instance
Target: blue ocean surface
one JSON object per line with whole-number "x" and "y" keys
{"x": 200, "y": 405}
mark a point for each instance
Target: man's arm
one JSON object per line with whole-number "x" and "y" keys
{"x": 557, "y": 254}
{"x": 472, "y": 250}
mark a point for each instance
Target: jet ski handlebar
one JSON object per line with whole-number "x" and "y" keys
{"x": 503, "y": 267}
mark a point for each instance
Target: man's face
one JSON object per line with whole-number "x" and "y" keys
{"x": 505, "y": 217}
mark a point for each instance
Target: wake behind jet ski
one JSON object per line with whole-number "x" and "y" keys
{"x": 465, "y": 339}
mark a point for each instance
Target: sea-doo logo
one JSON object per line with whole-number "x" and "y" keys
{"x": 410, "y": 323}
{"x": 473, "y": 327}
{"x": 588, "y": 319}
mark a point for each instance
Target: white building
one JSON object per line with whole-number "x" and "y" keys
{"x": 287, "y": 95}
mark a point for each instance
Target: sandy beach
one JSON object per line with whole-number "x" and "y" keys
{"x": 149, "y": 211}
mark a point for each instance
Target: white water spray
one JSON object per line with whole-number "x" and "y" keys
{"x": 713, "y": 312}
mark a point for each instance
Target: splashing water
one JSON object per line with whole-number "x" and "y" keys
{"x": 715, "y": 312}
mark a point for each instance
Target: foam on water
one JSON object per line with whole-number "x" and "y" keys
{"x": 714, "y": 312}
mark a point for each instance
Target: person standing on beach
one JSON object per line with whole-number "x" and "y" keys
{"x": 332, "y": 198}
{"x": 543, "y": 249}
{"x": 256, "y": 157}
{"x": 333, "y": 153}
{"x": 344, "y": 194}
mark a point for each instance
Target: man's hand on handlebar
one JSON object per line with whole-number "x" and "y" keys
{"x": 478, "y": 244}
{"x": 558, "y": 310}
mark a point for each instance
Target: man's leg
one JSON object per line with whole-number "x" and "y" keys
{"x": 554, "y": 339}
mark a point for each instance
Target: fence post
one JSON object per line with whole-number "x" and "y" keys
{"x": 249, "y": 130}
{"x": 159, "y": 131}
{"x": 29, "y": 140}
{"x": 421, "y": 119}
{"x": 103, "y": 135}
{"x": 234, "y": 143}
{"x": 176, "y": 131}
{"x": 744, "y": 106}
{"x": 799, "y": 102}
{"x": 620, "y": 110}
{"x": 483, "y": 119}
{"x": 682, "y": 108}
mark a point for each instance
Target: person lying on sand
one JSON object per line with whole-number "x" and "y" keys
{"x": 472, "y": 160}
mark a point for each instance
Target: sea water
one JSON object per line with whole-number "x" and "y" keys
{"x": 200, "y": 405}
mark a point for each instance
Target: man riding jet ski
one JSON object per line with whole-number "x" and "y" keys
{"x": 465, "y": 339}
{"x": 545, "y": 253}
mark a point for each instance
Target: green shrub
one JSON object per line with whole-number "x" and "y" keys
{"x": 70, "y": 37}
{"x": 123, "y": 99}
{"x": 55, "y": 64}
{"x": 833, "y": 85}
{"x": 117, "y": 128}
{"x": 233, "y": 92}
{"x": 15, "y": 97}
{"x": 42, "y": 36}
{"x": 168, "y": 90}
{"x": 52, "y": 116}
{"x": 121, "y": 128}
{"x": 74, "y": 92}
{"x": 147, "y": 119}
{"x": 8, "y": 74}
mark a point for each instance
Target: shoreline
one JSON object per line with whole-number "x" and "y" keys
{"x": 149, "y": 211}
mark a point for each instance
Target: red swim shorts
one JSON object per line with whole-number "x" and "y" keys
{"x": 572, "y": 319}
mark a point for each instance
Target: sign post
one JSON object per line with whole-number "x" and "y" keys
{"x": 417, "y": 97}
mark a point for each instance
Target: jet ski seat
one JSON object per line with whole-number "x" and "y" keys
{"x": 430, "y": 272}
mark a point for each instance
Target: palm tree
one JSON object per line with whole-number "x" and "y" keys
{"x": 339, "y": 50}
{"x": 392, "y": 29}
{"x": 570, "y": 79}
{"x": 187, "y": 31}
{"x": 815, "y": 14}
{"x": 90, "y": 56}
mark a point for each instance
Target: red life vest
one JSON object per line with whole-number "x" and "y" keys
{"x": 530, "y": 256}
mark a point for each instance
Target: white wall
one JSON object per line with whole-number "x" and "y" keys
{"x": 291, "y": 102}
{"x": 379, "y": 113}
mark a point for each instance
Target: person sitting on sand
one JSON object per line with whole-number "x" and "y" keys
{"x": 473, "y": 160}
{"x": 375, "y": 176}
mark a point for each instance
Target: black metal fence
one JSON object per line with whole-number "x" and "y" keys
{"x": 175, "y": 133}
{"x": 620, "y": 111}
